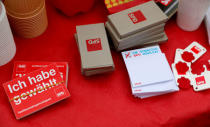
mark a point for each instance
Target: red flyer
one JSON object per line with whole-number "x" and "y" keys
{"x": 115, "y": 6}
{"x": 23, "y": 67}
{"x": 36, "y": 90}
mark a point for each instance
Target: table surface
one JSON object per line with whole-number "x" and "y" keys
{"x": 105, "y": 100}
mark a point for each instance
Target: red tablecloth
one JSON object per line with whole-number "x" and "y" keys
{"x": 105, "y": 100}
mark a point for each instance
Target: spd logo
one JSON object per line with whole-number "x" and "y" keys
{"x": 196, "y": 50}
{"x": 200, "y": 80}
{"x": 21, "y": 68}
{"x": 136, "y": 17}
{"x": 59, "y": 91}
{"x": 93, "y": 44}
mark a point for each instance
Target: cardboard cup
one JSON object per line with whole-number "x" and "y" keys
{"x": 30, "y": 26}
{"x": 191, "y": 13}
{"x": 22, "y": 7}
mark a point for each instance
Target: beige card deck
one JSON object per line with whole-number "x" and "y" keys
{"x": 97, "y": 71}
{"x": 94, "y": 47}
{"x": 136, "y": 37}
{"x": 145, "y": 40}
{"x": 164, "y": 38}
{"x": 94, "y": 71}
{"x": 136, "y": 19}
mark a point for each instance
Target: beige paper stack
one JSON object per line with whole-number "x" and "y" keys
{"x": 28, "y": 18}
{"x": 140, "y": 25}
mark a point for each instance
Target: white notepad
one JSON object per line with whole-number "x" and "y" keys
{"x": 149, "y": 73}
{"x": 149, "y": 69}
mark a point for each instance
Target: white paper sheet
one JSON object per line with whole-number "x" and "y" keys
{"x": 149, "y": 73}
{"x": 149, "y": 69}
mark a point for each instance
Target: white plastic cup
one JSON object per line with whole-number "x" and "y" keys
{"x": 207, "y": 22}
{"x": 7, "y": 44}
{"x": 191, "y": 13}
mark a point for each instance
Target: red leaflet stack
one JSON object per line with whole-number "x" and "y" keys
{"x": 36, "y": 90}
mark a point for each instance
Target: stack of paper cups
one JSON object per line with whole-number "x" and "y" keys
{"x": 28, "y": 18}
{"x": 7, "y": 44}
{"x": 191, "y": 13}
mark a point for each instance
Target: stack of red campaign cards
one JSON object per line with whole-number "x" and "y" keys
{"x": 21, "y": 68}
{"x": 36, "y": 90}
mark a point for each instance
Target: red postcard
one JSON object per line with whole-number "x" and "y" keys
{"x": 21, "y": 68}
{"x": 36, "y": 90}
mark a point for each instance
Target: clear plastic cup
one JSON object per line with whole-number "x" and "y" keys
{"x": 191, "y": 13}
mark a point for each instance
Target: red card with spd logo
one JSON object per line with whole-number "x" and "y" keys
{"x": 35, "y": 91}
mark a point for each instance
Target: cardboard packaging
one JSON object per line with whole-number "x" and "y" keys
{"x": 136, "y": 26}
{"x": 28, "y": 18}
{"x": 137, "y": 19}
{"x": 94, "y": 49}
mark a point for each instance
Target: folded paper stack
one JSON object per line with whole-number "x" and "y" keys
{"x": 28, "y": 18}
{"x": 149, "y": 72}
{"x": 94, "y": 49}
{"x": 7, "y": 44}
{"x": 136, "y": 26}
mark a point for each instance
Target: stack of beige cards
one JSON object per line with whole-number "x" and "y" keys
{"x": 7, "y": 44}
{"x": 139, "y": 25}
{"x": 94, "y": 49}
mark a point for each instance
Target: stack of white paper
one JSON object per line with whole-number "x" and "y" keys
{"x": 149, "y": 72}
